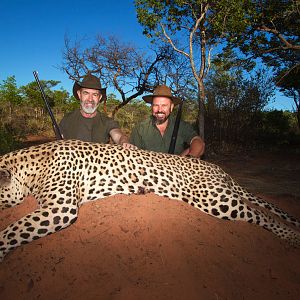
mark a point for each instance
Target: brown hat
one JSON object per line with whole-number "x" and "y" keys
{"x": 90, "y": 82}
{"x": 162, "y": 91}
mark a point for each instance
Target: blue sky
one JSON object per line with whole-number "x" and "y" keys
{"x": 33, "y": 31}
{"x": 32, "y": 35}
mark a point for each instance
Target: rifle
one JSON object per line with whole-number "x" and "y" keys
{"x": 54, "y": 123}
{"x": 175, "y": 129}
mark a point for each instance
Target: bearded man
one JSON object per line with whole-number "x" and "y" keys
{"x": 87, "y": 123}
{"x": 155, "y": 133}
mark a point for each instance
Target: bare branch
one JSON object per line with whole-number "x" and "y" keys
{"x": 171, "y": 42}
{"x": 287, "y": 73}
{"x": 203, "y": 46}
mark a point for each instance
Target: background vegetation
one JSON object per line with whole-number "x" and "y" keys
{"x": 235, "y": 118}
{"x": 226, "y": 59}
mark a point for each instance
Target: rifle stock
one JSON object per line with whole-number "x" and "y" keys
{"x": 54, "y": 123}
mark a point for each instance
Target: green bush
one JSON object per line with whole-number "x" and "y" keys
{"x": 8, "y": 140}
{"x": 276, "y": 129}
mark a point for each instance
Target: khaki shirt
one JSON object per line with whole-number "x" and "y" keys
{"x": 146, "y": 136}
{"x": 75, "y": 126}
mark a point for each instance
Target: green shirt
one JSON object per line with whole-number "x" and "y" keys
{"x": 146, "y": 136}
{"x": 75, "y": 126}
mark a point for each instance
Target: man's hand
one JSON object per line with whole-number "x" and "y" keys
{"x": 129, "y": 146}
{"x": 121, "y": 139}
{"x": 196, "y": 148}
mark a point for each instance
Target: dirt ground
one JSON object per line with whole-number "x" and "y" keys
{"x": 149, "y": 247}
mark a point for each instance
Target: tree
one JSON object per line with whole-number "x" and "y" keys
{"x": 62, "y": 99}
{"x": 131, "y": 114}
{"x": 235, "y": 100}
{"x": 130, "y": 71}
{"x": 289, "y": 84}
{"x": 271, "y": 33}
{"x": 32, "y": 95}
{"x": 194, "y": 29}
{"x": 9, "y": 96}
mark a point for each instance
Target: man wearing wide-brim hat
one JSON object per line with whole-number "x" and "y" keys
{"x": 87, "y": 123}
{"x": 155, "y": 133}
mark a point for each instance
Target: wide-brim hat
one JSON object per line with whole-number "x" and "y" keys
{"x": 90, "y": 82}
{"x": 162, "y": 91}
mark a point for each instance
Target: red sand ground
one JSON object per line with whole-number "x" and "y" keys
{"x": 149, "y": 247}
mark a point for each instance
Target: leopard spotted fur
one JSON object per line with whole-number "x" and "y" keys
{"x": 62, "y": 175}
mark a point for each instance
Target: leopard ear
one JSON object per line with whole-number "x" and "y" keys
{"x": 5, "y": 177}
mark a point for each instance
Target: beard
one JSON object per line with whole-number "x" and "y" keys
{"x": 160, "y": 118}
{"x": 89, "y": 108}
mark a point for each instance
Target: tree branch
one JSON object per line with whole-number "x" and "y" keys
{"x": 171, "y": 42}
{"x": 280, "y": 36}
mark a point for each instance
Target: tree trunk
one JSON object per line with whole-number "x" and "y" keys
{"x": 297, "y": 103}
{"x": 201, "y": 114}
{"x": 10, "y": 112}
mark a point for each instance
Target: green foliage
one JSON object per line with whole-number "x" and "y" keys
{"x": 272, "y": 33}
{"x": 189, "y": 111}
{"x": 234, "y": 113}
{"x": 32, "y": 95}
{"x": 9, "y": 140}
{"x": 23, "y": 113}
{"x": 276, "y": 129}
{"x": 174, "y": 14}
{"x": 220, "y": 19}
{"x": 9, "y": 92}
{"x": 130, "y": 115}
{"x": 231, "y": 90}
{"x": 289, "y": 83}
{"x": 194, "y": 29}
{"x": 234, "y": 103}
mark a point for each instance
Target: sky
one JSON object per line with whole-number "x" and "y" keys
{"x": 33, "y": 33}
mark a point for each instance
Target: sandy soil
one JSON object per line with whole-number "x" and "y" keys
{"x": 150, "y": 247}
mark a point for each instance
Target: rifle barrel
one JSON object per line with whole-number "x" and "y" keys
{"x": 55, "y": 125}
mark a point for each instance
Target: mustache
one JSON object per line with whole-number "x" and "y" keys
{"x": 161, "y": 119}
{"x": 85, "y": 106}
{"x": 89, "y": 102}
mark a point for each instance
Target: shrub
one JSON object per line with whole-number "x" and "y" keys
{"x": 8, "y": 140}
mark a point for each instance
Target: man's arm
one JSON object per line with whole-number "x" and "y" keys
{"x": 196, "y": 149}
{"x": 120, "y": 138}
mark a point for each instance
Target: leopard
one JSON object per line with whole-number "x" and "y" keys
{"x": 62, "y": 175}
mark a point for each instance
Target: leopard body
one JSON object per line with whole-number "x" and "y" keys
{"x": 62, "y": 175}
